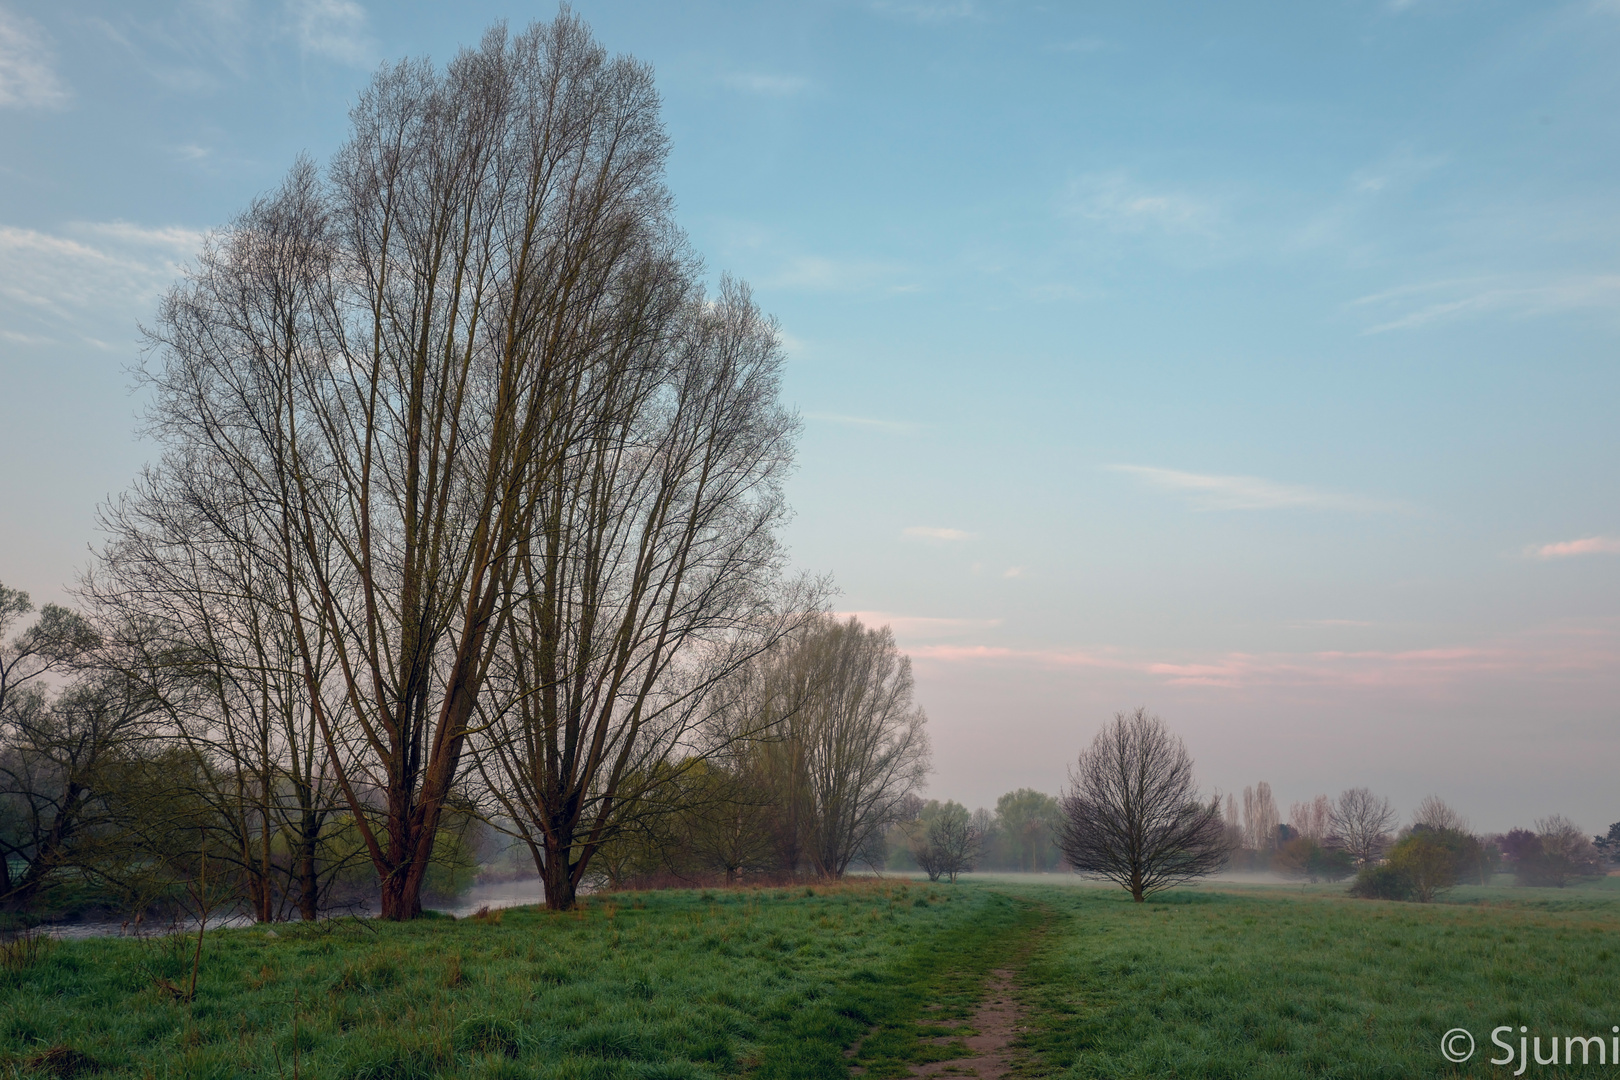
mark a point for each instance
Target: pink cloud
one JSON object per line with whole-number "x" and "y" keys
{"x": 1591, "y": 545}
{"x": 1567, "y": 650}
{"x": 919, "y": 626}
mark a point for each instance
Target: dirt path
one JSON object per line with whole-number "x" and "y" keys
{"x": 997, "y": 1020}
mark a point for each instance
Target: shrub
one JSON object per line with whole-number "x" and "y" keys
{"x": 1382, "y": 882}
{"x": 1427, "y": 861}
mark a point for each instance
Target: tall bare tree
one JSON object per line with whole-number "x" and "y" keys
{"x": 1260, "y": 818}
{"x": 1133, "y": 814}
{"x": 649, "y": 579}
{"x": 1361, "y": 821}
{"x": 375, "y": 361}
{"x": 854, "y": 745}
{"x": 191, "y": 590}
{"x": 1311, "y": 820}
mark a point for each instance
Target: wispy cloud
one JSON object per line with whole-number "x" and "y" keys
{"x": 28, "y": 78}
{"x": 335, "y": 29}
{"x": 1476, "y": 297}
{"x": 928, "y": 11}
{"x": 1118, "y": 202}
{"x": 1396, "y": 171}
{"x": 814, "y": 273}
{"x": 1014, "y": 572}
{"x": 937, "y": 535}
{"x": 921, "y": 627}
{"x": 96, "y": 271}
{"x": 1083, "y": 45}
{"x": 1563, "y": 549}
{"x": 767, "y": 85}
{"x": 896, "y": 427}
{"x": 1211, "y": 492}
{"x": 1564, "y": 652}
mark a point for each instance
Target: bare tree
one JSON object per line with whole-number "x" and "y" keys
{"x": 1435, "y": 814}
{"x": 946, "y": 842}
{"x": 1260, "y": 818}
{"x": 381, "y": 365}
{"x": 1313, "y": 819}
{"x": 1361, "y": 822}
{"x": 1133, "y": 814}
{"x": 650, "y": 578}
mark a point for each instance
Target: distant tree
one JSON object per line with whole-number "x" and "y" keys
{"x": 1294, "y": 856}
{"x": 945, "y": 842}
{"x": 1382, "y": 881}
{"x": 1026, "y": 822}
{"x": 1331, "y": 864}
{"x": 1259, "y": 818}
{"x": 56, "y": 639}
{"x": 1555, "y": 853}
{"x": 859, "y": 735}
{"x": 1566, "y": 853}
{"x": 1429, "y": 863}
{"x": 1361, "y": 821}
{"x": 1312, "y": 819}
{"x": 1435, "y": 814}
{"x": 1133, "y": 814}
{"x": 1608, "y": 845}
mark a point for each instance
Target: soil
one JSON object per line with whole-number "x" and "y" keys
{"x": 998, "y": 1021}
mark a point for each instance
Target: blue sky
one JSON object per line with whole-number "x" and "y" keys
{"x": 1254, "y": 363}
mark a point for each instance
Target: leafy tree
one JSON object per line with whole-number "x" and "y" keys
{"x": 1027, "y": 821}
{"x": 1427, "y": 861}
{"x": 1608, "y": 845}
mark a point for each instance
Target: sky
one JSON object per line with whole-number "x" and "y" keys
{"x": 1254, "y": 362}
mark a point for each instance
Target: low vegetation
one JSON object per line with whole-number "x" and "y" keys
{"x": 804, "y": 983}
{"x": 675, "y": 984}
{"x": 1302, "y": 981}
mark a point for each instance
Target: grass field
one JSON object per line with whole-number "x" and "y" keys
{"x": 1227, "y": 981}
{"x": 1215, "y": 981}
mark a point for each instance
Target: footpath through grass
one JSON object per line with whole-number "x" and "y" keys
{"x": 1258, "y": 983}
{"x": 655, "y": 986}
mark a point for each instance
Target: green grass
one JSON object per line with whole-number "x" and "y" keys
{"x": 678, "y": 985}
{"x": 1262, "y": 981}
{"x": 1228, "y": 981}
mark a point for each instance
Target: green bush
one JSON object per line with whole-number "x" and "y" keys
{"x": 1383, "y": 882}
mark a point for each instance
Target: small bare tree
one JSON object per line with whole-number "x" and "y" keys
{"x": 946, "y": 843}
{"x": 1361, "y": 821}
{"x": 1438, "y": 816}
{"x": 1134, "y": 816}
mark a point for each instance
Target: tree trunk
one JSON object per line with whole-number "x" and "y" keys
{"x": 402, "y": 894}
{"x": 309, "y": 883}
{"x": 558, "y": 878}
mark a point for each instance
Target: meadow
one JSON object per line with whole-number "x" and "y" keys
{"x": 1255, "y": 982}
{"x": 1219, "y": 980}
